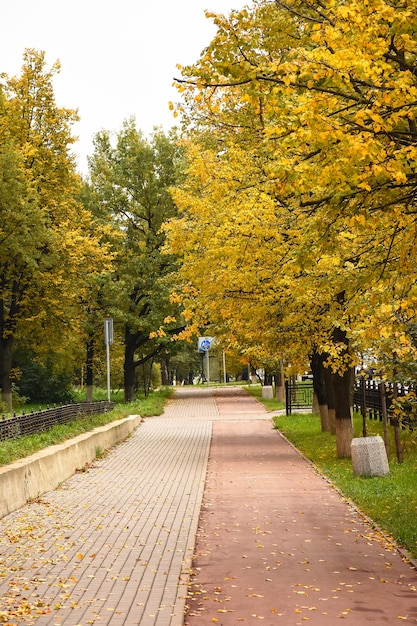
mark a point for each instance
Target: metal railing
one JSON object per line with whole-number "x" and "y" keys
{"x": 298, "y": 396}
{"x": 367, "y": 397}
{"x": 40, "y": 421}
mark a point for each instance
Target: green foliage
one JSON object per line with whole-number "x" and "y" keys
{"x": 100, "y": 453}
{"x": 148, "y": 377}
{"x": 99, "y": 394}
{"x": 390, "y": 501}
{"x": 130, "y": 178}
{"x": 185, "y": 363}
{"x": 41, "y": 383}
{"x": 48, "y": 245}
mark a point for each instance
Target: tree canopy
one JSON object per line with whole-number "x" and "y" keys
{"x": 46, "y": 240}
{"x": 131, "y": 177}
{"x": 298, "y": 216}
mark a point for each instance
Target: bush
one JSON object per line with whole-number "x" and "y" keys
{"x": 39, "y": 383}
{"x": 404, "y": 410}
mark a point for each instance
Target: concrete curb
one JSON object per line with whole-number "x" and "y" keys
{"x": 32, "y": 476}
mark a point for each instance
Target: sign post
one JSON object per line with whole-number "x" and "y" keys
{"x": 108, "y": 339}
{"x": 204, "y": 345}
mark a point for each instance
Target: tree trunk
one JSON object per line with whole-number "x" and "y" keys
{"x": 319, "y": 385}
{"x": 165, "y": 377}
{"x": 344, "y": 436}
{"x": 6, "y": 362}
{"x": 331, "y": 401}
{"x": 344, "y": 422}
{"x": 343, "y": 389}
{"x": 89, "y": 369}
{"x": 129, "y": 370}
{"x": 280, "y": 384}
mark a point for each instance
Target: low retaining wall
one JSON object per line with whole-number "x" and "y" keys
{"x": 32, "y": 476}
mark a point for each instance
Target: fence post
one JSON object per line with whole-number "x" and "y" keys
{"x": 363, "y": 389}
{"x": 384, "y": 415}
{"x": 287, "y": 398}
{"x": 398, "y": 446}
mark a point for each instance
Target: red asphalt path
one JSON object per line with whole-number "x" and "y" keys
{"x": 278, "y": 545}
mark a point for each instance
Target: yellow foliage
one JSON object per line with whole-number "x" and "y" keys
{"x": 301, "y": 183}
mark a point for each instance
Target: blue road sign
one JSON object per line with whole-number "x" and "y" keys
{"x": 204, "y": 343}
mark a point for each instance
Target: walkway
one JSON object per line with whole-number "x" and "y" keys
{"x": 275, "y": 543}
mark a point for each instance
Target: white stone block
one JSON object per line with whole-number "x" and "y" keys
{"x": 267, "y": 392}
{"x": 369, "y": 457}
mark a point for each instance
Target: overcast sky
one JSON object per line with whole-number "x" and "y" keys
{"x": 118, "y": 58}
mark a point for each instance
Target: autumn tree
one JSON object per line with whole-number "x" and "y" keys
{"x": 45, "y": 243}
{"x": 305, "y": 118}
{"x": 131, "y": 177}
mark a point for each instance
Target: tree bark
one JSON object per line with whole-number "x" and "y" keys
{"x": 129, "y": 367}
{"x": 7, "y": 333}
{"x": 398, "y": 446}
{"x": 344, "y": 422}
{"x": 319, "y": 385}
{"x": 280, "y": 384}
{"x": 6, "y": 362}
{"x": 89, "y": 369}
{"x": 331, "y": 401}
{"x": 165, "y": 372}
{"x": 343, "y": 389}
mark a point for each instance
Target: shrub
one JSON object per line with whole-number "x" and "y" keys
{"x": 40, "y": 383}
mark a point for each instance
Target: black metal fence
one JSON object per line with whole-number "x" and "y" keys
{"x": 367, "y": 396}
{"x": 298, "y": 396}
{"x": 40, "y": 421}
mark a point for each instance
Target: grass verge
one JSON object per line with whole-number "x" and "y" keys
{"x": 271, "y": 404}
{"x": 14, "y": 449}
{"x": 391, "y": 501}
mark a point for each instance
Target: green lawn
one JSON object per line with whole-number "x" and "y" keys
{"x": 256, "y": 391}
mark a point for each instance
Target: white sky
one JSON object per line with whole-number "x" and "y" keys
{"x": 117, "y": 58}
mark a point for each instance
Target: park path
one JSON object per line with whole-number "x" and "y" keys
{"x": 273, "y": 541}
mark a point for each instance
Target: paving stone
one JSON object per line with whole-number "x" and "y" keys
{"x": 113, "y": 543}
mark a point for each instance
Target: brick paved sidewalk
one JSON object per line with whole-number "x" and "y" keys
{"x": 112, "y": 543}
